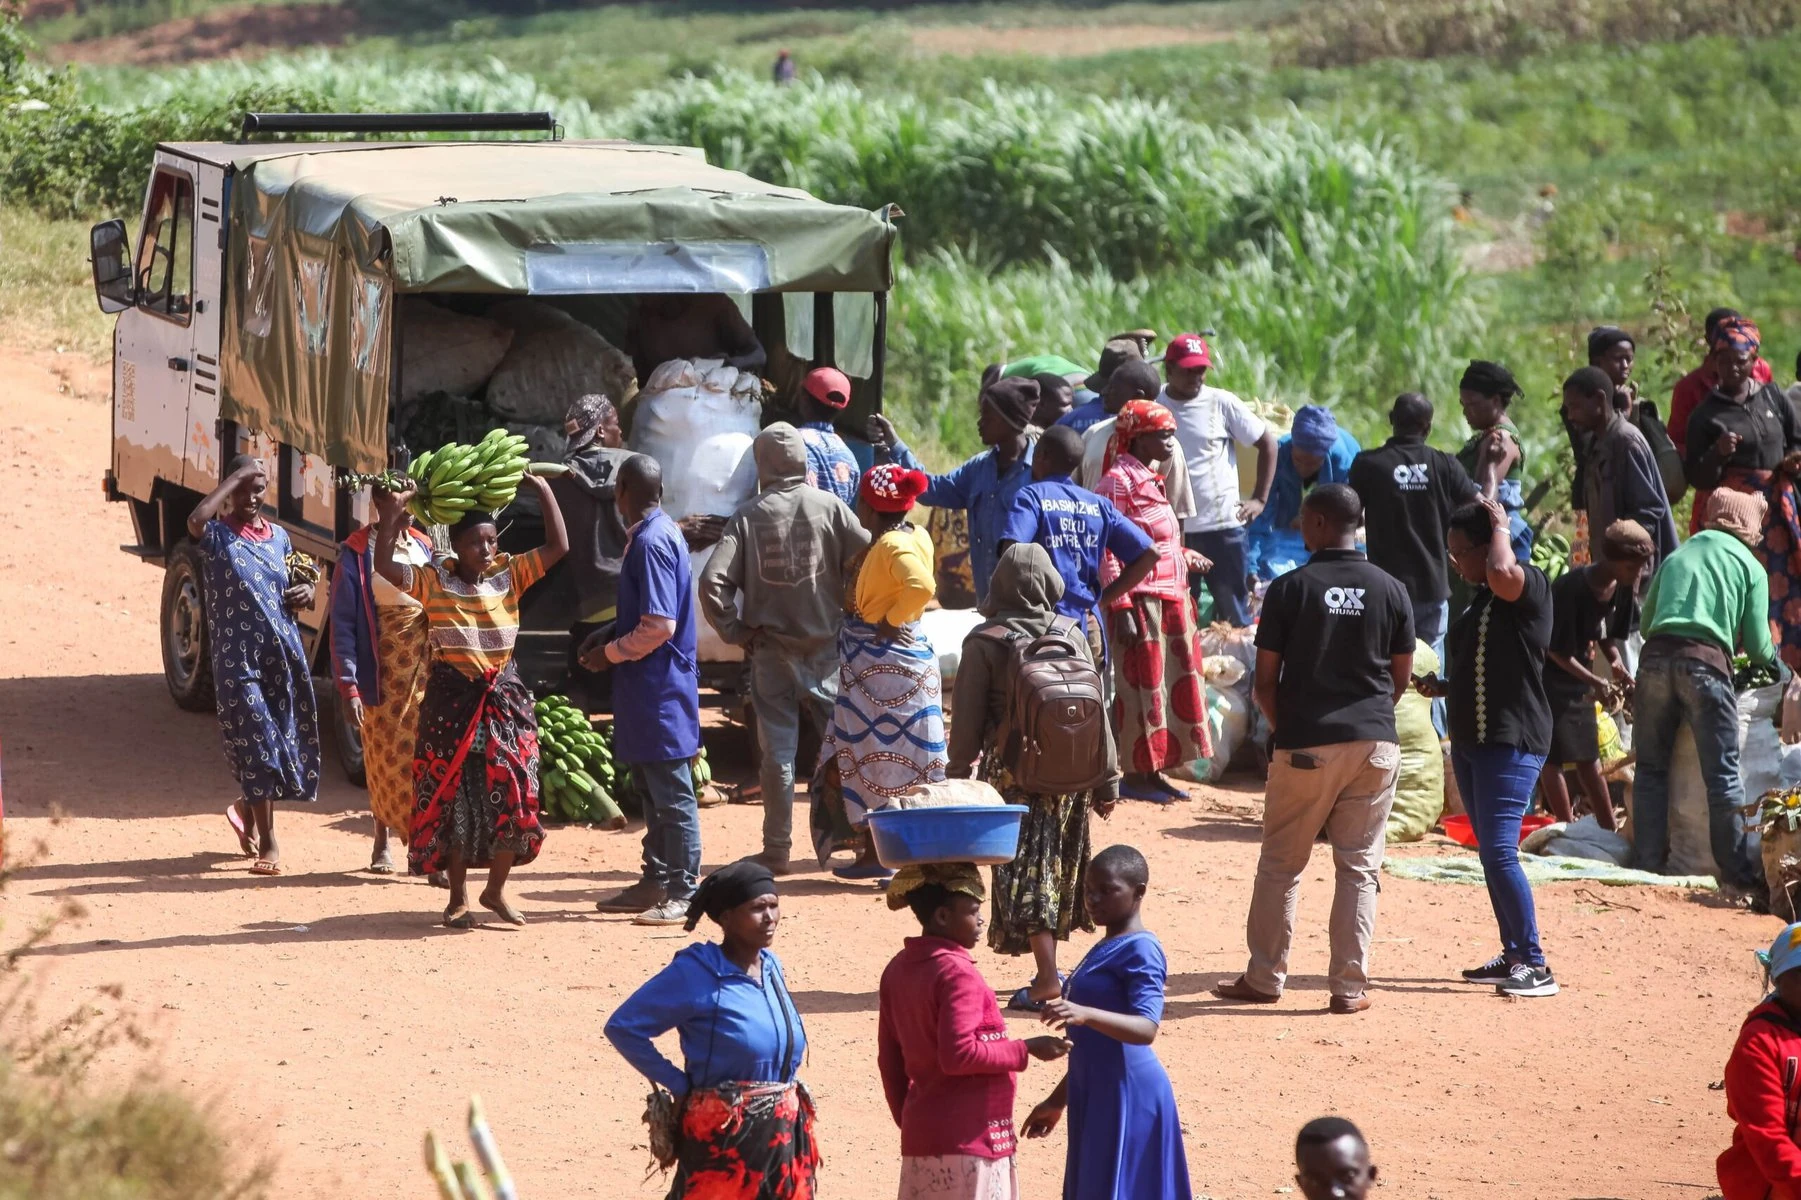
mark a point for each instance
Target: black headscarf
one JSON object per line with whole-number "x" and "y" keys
{"x": 1489, "y": 379}
{"x": 728, "y": 887}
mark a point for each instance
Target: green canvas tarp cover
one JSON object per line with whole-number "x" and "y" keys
{"x": 324, "y": 236}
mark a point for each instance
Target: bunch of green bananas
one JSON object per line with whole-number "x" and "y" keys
{"x": 387, "y": 481}
{"x": 457, "y": 478}
{"x": 1551, "y": 554}
{"x": 625, "y": 787}
{"x": 701, "y": 770}
{"x": 575, "y": 766}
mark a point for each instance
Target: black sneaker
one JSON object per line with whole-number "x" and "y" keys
{"x": 1528, "y": 981}
{"x": 1495, "y": 971}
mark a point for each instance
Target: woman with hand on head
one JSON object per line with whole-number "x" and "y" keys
{"x": 947, "y": 1064}
{"x": 263, "y": 682}
{"x": 475, "y": 760}
{"x": 1500, "y": 721}
{"x": 744, "y": 1121}
{"x": 1125, "y": 1137}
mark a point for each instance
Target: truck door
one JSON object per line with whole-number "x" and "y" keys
{"x": 200, "y": 459}
{"x": 153, "y": 343}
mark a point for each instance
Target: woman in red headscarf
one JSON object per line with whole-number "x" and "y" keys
{"x": 887, "y": 732}
{"x": 1159, "y": 698}
{"x": 1746, "y": 437}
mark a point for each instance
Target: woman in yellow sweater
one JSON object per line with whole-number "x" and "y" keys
{"x": 887, "y": 730}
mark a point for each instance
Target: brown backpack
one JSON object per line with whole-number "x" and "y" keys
{"x": 1054, "y": 737}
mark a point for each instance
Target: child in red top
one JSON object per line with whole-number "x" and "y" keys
{"x": 947, "y": 1063}
{"x": 1763, "y": 1087}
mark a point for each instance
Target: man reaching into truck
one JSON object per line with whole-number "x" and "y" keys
{"x": 668, "y": 327}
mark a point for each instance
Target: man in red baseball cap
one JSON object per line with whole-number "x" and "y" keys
{"x": 1211, "y": 425}
{"x": 830, "y": 465}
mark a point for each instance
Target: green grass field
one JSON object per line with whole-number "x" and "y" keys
{"x": 1679, "y": 155}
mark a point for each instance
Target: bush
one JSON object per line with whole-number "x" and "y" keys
{"x": 1346, "y": 32}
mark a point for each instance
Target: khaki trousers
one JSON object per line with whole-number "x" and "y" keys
{"x": 1347, "y": 792}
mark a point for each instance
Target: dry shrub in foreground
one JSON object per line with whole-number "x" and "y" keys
{"x": 64, "y": 1136}
{"x": 1348, "y": 32}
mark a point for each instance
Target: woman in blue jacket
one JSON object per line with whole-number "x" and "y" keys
{"x": 742, "y": 1116}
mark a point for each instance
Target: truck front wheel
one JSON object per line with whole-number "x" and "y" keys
{"x": 187, "y": 661}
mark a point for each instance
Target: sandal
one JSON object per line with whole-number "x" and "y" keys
{"x": 1131, "y": 791}
{"x": 458, "y": 917}
{"x": 382, "y": 864}
{"x": 237, "y": 826}
{"x": 263, "y": 866}
{"x": 1021, "y": 1001}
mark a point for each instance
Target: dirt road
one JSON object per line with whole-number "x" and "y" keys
{"x": 335, "y": 1021}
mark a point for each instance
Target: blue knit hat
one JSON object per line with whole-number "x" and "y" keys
{"x": 1314, "y": 430}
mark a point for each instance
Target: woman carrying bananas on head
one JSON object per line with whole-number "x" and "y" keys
{"x": 475, "y": 761}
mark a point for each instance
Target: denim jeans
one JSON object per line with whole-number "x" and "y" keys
{"x": 1496, "y": 783}
{"x": 1229, "y": 579}
{"x": 671, "y": 826}
{"x": 1673, "y": 690}
{"x": 782, "y": 687}
{"x": 1429, "y": 620}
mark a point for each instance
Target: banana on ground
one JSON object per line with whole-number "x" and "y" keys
{"x": 575, "y": 766}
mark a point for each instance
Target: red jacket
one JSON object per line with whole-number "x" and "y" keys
{"x": 947, "y": 1063}
{"x": 1763, "y": 1098}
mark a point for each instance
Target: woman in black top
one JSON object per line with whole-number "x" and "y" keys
{"x": 1746, "y": 437}
{"x": 1500, "y": 724}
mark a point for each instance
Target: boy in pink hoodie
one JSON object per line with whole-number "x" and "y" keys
{"x": 1763, "y": 1087}
{"x": 947, "y": 1063}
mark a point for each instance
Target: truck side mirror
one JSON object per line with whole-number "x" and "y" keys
{"x": 109, "y": 250}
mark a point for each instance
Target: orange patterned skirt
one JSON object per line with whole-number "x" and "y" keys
{"x": 389, "y": 728}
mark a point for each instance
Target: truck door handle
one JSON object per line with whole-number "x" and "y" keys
{"x": 178, "y": 364}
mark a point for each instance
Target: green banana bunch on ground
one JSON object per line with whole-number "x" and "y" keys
{"x": 457, "y": 478}
{"x": 1551, "y": 554}
{"x": 625, "y": 787}
{"x": 702, "y": 770}
{"x": 575, "y": 766}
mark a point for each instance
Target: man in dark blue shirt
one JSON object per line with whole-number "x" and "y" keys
{"x": 1089, "y": 409}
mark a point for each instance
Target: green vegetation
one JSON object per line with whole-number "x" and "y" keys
{"x": 1050, "y": 199}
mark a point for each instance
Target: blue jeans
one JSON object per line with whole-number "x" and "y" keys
{"x": 1229, "y": 579}
{"x": 671, "y": 826}
{"x": 782, "y": 687}
{"x": 1496, "y": 783}
{"x": 1429, "y": 620}
{"x": 1673, "y": 690}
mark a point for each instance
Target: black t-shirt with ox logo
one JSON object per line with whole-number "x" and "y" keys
{"x": 1409, "y": 491}
{"x": 1336, "y": 620}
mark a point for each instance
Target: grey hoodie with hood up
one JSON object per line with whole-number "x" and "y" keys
{"x": 787, "y": 555}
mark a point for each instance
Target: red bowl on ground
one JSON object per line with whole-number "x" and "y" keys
{"x": 1457, "y": 828}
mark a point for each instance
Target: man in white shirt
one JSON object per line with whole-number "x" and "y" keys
{"x": 1134, "y": 379}
{"x": 1211, "y": 423}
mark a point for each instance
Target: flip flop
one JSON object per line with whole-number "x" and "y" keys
{"x": 263, "y": 866}
{"x": 863, "y": 871}
{"x": 237, "y": 826}
{"x": 1128, "y": 791}
{"x": 459, "y": 918}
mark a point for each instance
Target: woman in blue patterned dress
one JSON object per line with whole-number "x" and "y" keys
{"x": 267, "y": 714}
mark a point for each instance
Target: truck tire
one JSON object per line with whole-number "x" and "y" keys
{"x": 349, "y": 740}
{"x": 187, "y": 656}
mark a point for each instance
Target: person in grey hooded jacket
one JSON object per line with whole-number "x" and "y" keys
{"x": 775, "y": 586}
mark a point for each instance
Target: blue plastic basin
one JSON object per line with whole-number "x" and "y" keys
{"x": 984, "y": 834}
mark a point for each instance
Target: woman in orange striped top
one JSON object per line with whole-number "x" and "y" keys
{"x": 475, "y": 763}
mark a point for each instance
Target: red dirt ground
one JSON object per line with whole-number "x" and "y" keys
{"x": 334, "y": 1021}
{"x": 249, "y": 30}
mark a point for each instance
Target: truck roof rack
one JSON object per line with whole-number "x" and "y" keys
{"x": 450, "y": 122}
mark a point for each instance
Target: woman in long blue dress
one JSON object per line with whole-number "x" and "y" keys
{"x": 1125, "y": 1139}
{"x": 267, "y": 714}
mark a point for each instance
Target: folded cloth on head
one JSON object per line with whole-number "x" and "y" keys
{"x": 963, "y": 878}
{"x": 947, "y": 792}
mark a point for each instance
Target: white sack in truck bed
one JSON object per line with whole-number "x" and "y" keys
{"x": 444, "y": 351}
{"x": 554, "y": 361}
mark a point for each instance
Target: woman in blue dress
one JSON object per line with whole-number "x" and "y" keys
{"x": 264, "y": 686}
{"x": 1125, "y": 1139}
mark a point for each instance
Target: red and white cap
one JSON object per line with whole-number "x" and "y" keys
{"x": 1188, "y": 351}
{"x": 829, "y": 386}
